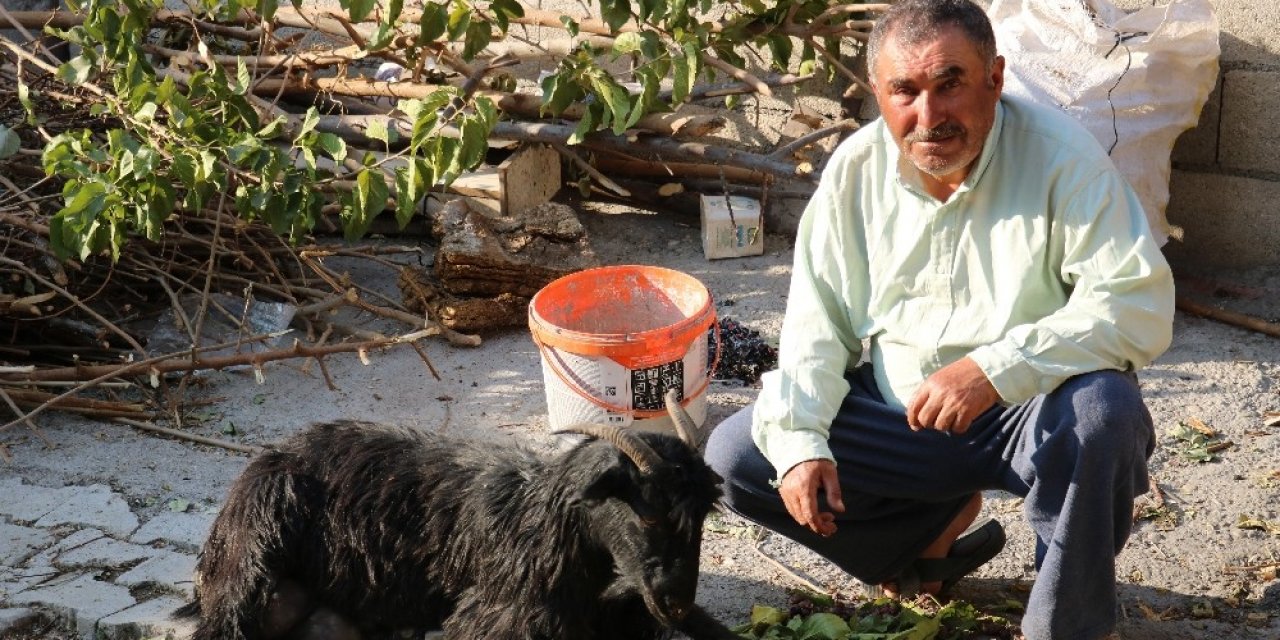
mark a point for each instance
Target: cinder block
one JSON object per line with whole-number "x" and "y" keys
{"x": 1248, "y": 31}
{"x": 1199, "y": 145}
{"x": 1242, "y": 230}
{"x": 1250, "y": 121}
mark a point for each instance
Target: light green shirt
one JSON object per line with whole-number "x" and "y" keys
{"x": 1040, "y": 267}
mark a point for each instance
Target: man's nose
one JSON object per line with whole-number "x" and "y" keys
{"x": 929, "y": 111}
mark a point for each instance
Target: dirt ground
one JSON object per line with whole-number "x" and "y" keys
{"x": 1190, "y": 570}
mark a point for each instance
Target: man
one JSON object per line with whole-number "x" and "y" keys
{"x": 1004, "y": 275}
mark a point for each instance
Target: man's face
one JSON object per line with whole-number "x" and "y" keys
{"x": 938, "y": 100}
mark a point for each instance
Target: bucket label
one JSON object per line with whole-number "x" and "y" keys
{"x": 650, "y": 384}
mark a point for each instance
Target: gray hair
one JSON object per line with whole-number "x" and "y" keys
{"x": 915, "y": 21}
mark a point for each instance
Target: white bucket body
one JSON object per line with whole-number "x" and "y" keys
{"x": 611, "y": 383}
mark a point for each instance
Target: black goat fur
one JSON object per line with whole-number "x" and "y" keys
{"x": 396, "y": 529}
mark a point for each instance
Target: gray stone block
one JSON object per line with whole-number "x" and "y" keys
{"x": 183, "y": 530}
{"x": 27, "y": 502}
{"x": 10, "y": 618}
{"x": 93, "y": 506}
{"x": 82, "y": 599}
{"x": 103, "y": 552}
{"x": 171, "y": 571}
{"x": 1199, "y": 145}
{"x": 1241, "y": 230}
{"x": 17, "y": 580}
{"x": 1248, "y": 31}
{"x": 17, "y": 543}
{"x": 150, "y": 620}
{"x": 1250, "y": 121}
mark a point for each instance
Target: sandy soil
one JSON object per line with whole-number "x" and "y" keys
{"x": 1189, "y": 572}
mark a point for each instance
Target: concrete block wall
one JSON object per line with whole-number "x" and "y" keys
{"x": 1225, "y": 186}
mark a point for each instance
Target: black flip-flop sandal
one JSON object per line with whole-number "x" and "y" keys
{"x": 969, "y": 552}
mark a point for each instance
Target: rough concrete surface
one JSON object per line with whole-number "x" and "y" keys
{"x": 103, "y": 573}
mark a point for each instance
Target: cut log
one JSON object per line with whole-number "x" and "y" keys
{"x": 484, "y": 255}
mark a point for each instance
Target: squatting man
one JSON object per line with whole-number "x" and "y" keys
{"x": 1004, "y": 276}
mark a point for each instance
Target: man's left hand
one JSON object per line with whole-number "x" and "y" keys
{"x": 951, "y": 398}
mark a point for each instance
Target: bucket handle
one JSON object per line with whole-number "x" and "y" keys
{"x": 566, "y": 378}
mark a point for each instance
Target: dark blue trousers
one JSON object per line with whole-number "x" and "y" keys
{"x": 1077, "y": 455}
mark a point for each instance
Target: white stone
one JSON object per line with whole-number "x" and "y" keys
{"x": 17, "y": 543}
{"x": 172, "y": 571}
{"x": 151, "y": 619}
{"x": 28, "y": 502}
{"x": 103, "y": 552}
{"x": 82, "y": 598}
{"x": 183, "y": 530}
{"x": 93, "y": 506}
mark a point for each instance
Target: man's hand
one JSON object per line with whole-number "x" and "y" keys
{"x": 800, "y": 493}
{"x": 951, "y": 398}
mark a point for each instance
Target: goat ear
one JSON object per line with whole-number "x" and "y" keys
{"x": 607, "y": 485}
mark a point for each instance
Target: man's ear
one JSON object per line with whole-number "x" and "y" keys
{"x": 997, "y": 74}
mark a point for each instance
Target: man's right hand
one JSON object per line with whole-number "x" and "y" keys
{"x": 799, "y": 491}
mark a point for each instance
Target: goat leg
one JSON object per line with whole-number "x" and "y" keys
{"x": 699, "y": 625}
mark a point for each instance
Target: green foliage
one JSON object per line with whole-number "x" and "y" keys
{"x": 882, "y": 619}
{"x": 202, "y": 143}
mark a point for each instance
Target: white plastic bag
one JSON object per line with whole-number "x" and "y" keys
{"x": 1136, "y": 81}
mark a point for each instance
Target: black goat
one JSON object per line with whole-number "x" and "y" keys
{"x": 394, "y": 529}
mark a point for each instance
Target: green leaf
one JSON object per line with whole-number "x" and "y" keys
{"x": 615, "y": 13}
{"x": 243, "y": 79}
{"x": 377, "y": 130}
{"x": 76, "y": 71}
{"x": 273, "y": 128}
{"x": 267, "y": 9}
{"x": 504, "y": 10}
{"x": 394, "y": 9}
{"x": 24, "y": 96}
{"x": 432, "y": 24}
{"x": 780, "y": 46}
{"x": 358, "y": 10}
{"x": 406, "y": 195}
{"x": 475, "y": 142}
{"x": 762, "y": 615}
{"x": 587, "y": 124}
{"x": 309, "y": 122}
{"x": 570, "y": 25}
{"x": 823, "y": 626}
{"x": 370, "y": 199}
{"x": 179, "y": 505}
{"x": 381, "y": 38}
{"x": 478, "y": 37}
{"x": 333, "y": 145}
{"x": 616, "y": 99}
{"x": 459, "y": 20}
{"x": 629, "y": 42}
{"x": 9, "y": 142}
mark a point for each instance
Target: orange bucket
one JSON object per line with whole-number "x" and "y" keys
{"x": 614, "y": 339}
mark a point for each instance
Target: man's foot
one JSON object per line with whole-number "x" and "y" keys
{"x": 950, "y": 557}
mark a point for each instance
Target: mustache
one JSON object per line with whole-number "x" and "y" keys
{"x": 942, "y": 131}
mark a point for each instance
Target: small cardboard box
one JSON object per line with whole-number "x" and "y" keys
{"x": 731, "y": 231}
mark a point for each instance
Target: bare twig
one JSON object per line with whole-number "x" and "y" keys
{"x": 191, "y": 437}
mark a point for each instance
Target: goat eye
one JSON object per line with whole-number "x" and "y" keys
{"x": 648, "y": 521}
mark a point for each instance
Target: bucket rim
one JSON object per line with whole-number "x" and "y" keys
{"x": 620, "y": 344}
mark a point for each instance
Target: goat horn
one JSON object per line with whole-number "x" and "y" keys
{"x": 644, "y": 457}
{"x": 685, "y": 427}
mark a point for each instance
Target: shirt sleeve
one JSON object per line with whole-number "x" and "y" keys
{"x": 1119, "y": 313}
{"x": 798, "y": 401}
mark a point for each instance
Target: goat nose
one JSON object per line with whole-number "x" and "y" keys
{"x": 676, "y": 609}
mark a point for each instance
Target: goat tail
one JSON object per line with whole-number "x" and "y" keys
{"x": 250, "y": 537}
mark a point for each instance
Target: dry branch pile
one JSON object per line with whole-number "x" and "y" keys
{"x": 168, "y": 171}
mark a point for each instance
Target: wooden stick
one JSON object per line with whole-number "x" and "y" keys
{"x": 1228, "y": 317}
{"x": 591, "y": 171}
{"x": 812, "y": 137}
{"x": 191, "y": 437}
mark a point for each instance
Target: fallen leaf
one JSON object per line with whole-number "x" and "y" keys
{"x": 1203, "y": 610}
{"x": 1258, "y": 524}
{"x": 1199, "y": 425}
{"x": 1271, "y": 418}
{"x": 670, "y": 189}
{"x": 179, "y": 505}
